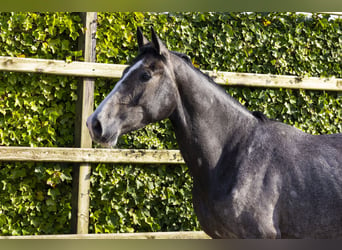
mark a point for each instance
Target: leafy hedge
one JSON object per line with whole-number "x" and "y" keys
{"x": 39, "y": 110}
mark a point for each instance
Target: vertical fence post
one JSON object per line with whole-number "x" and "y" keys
{"x": 84, "y": 107}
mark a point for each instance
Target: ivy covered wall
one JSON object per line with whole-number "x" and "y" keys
{"x": 39, "y": 110}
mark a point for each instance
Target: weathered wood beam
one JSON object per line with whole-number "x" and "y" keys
{"x": 154, "y": 235}
{"x": 59, "y": 67}
{"x": 86, "y": 69}
{"x": 90, "y": 155}
{"x": 331, "y": 13}
{"x": 276, "y": 81}
{"x": 84, "y": 108}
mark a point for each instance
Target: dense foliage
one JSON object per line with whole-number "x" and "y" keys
{"x": 36, "y": 110}
{"x": 39, "y": 110}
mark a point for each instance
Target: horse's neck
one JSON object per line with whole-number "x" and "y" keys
{"x": 205, "y": 120}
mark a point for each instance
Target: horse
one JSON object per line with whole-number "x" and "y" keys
{"x": 253, "y": 177}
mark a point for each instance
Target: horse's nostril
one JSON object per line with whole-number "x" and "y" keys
{"x": 97, "y": 128}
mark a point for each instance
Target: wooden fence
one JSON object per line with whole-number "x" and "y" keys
{"x": 84, "y": 154}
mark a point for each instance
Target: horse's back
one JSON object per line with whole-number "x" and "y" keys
{"x": 294, "y": 180}
{"x": 334, "y": 140}
{"x": 310, "y": 172}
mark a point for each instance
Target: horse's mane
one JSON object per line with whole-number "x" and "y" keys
{"x": 189, "y": 62}
{"x": 257, "y": 114}
{"x": 260, "y": 116}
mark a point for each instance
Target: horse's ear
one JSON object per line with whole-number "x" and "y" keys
{"x": 142, "y": 40}
{"x": 157, "y": 43}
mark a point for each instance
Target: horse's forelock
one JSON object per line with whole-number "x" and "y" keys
{"x": 148, "y": 49}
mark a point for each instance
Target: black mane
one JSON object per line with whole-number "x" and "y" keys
{"x": 260, "y": 116}
{"x": 187, "y": 59}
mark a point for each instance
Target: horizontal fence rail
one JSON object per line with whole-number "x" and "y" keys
{"x": 59, "y": 67}
{"x": 152, "y": 235}
{"x": 276, "y": 81}
{"x": 90, "y": 155}
{"x": 85, "y": 69}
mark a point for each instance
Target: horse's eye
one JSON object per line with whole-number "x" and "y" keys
{"x": 145, "y": 76}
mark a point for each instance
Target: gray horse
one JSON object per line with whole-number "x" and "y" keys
{"x": 252, "y": 177}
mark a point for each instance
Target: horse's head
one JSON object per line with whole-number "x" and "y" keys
{"x": 145, "y": 93}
